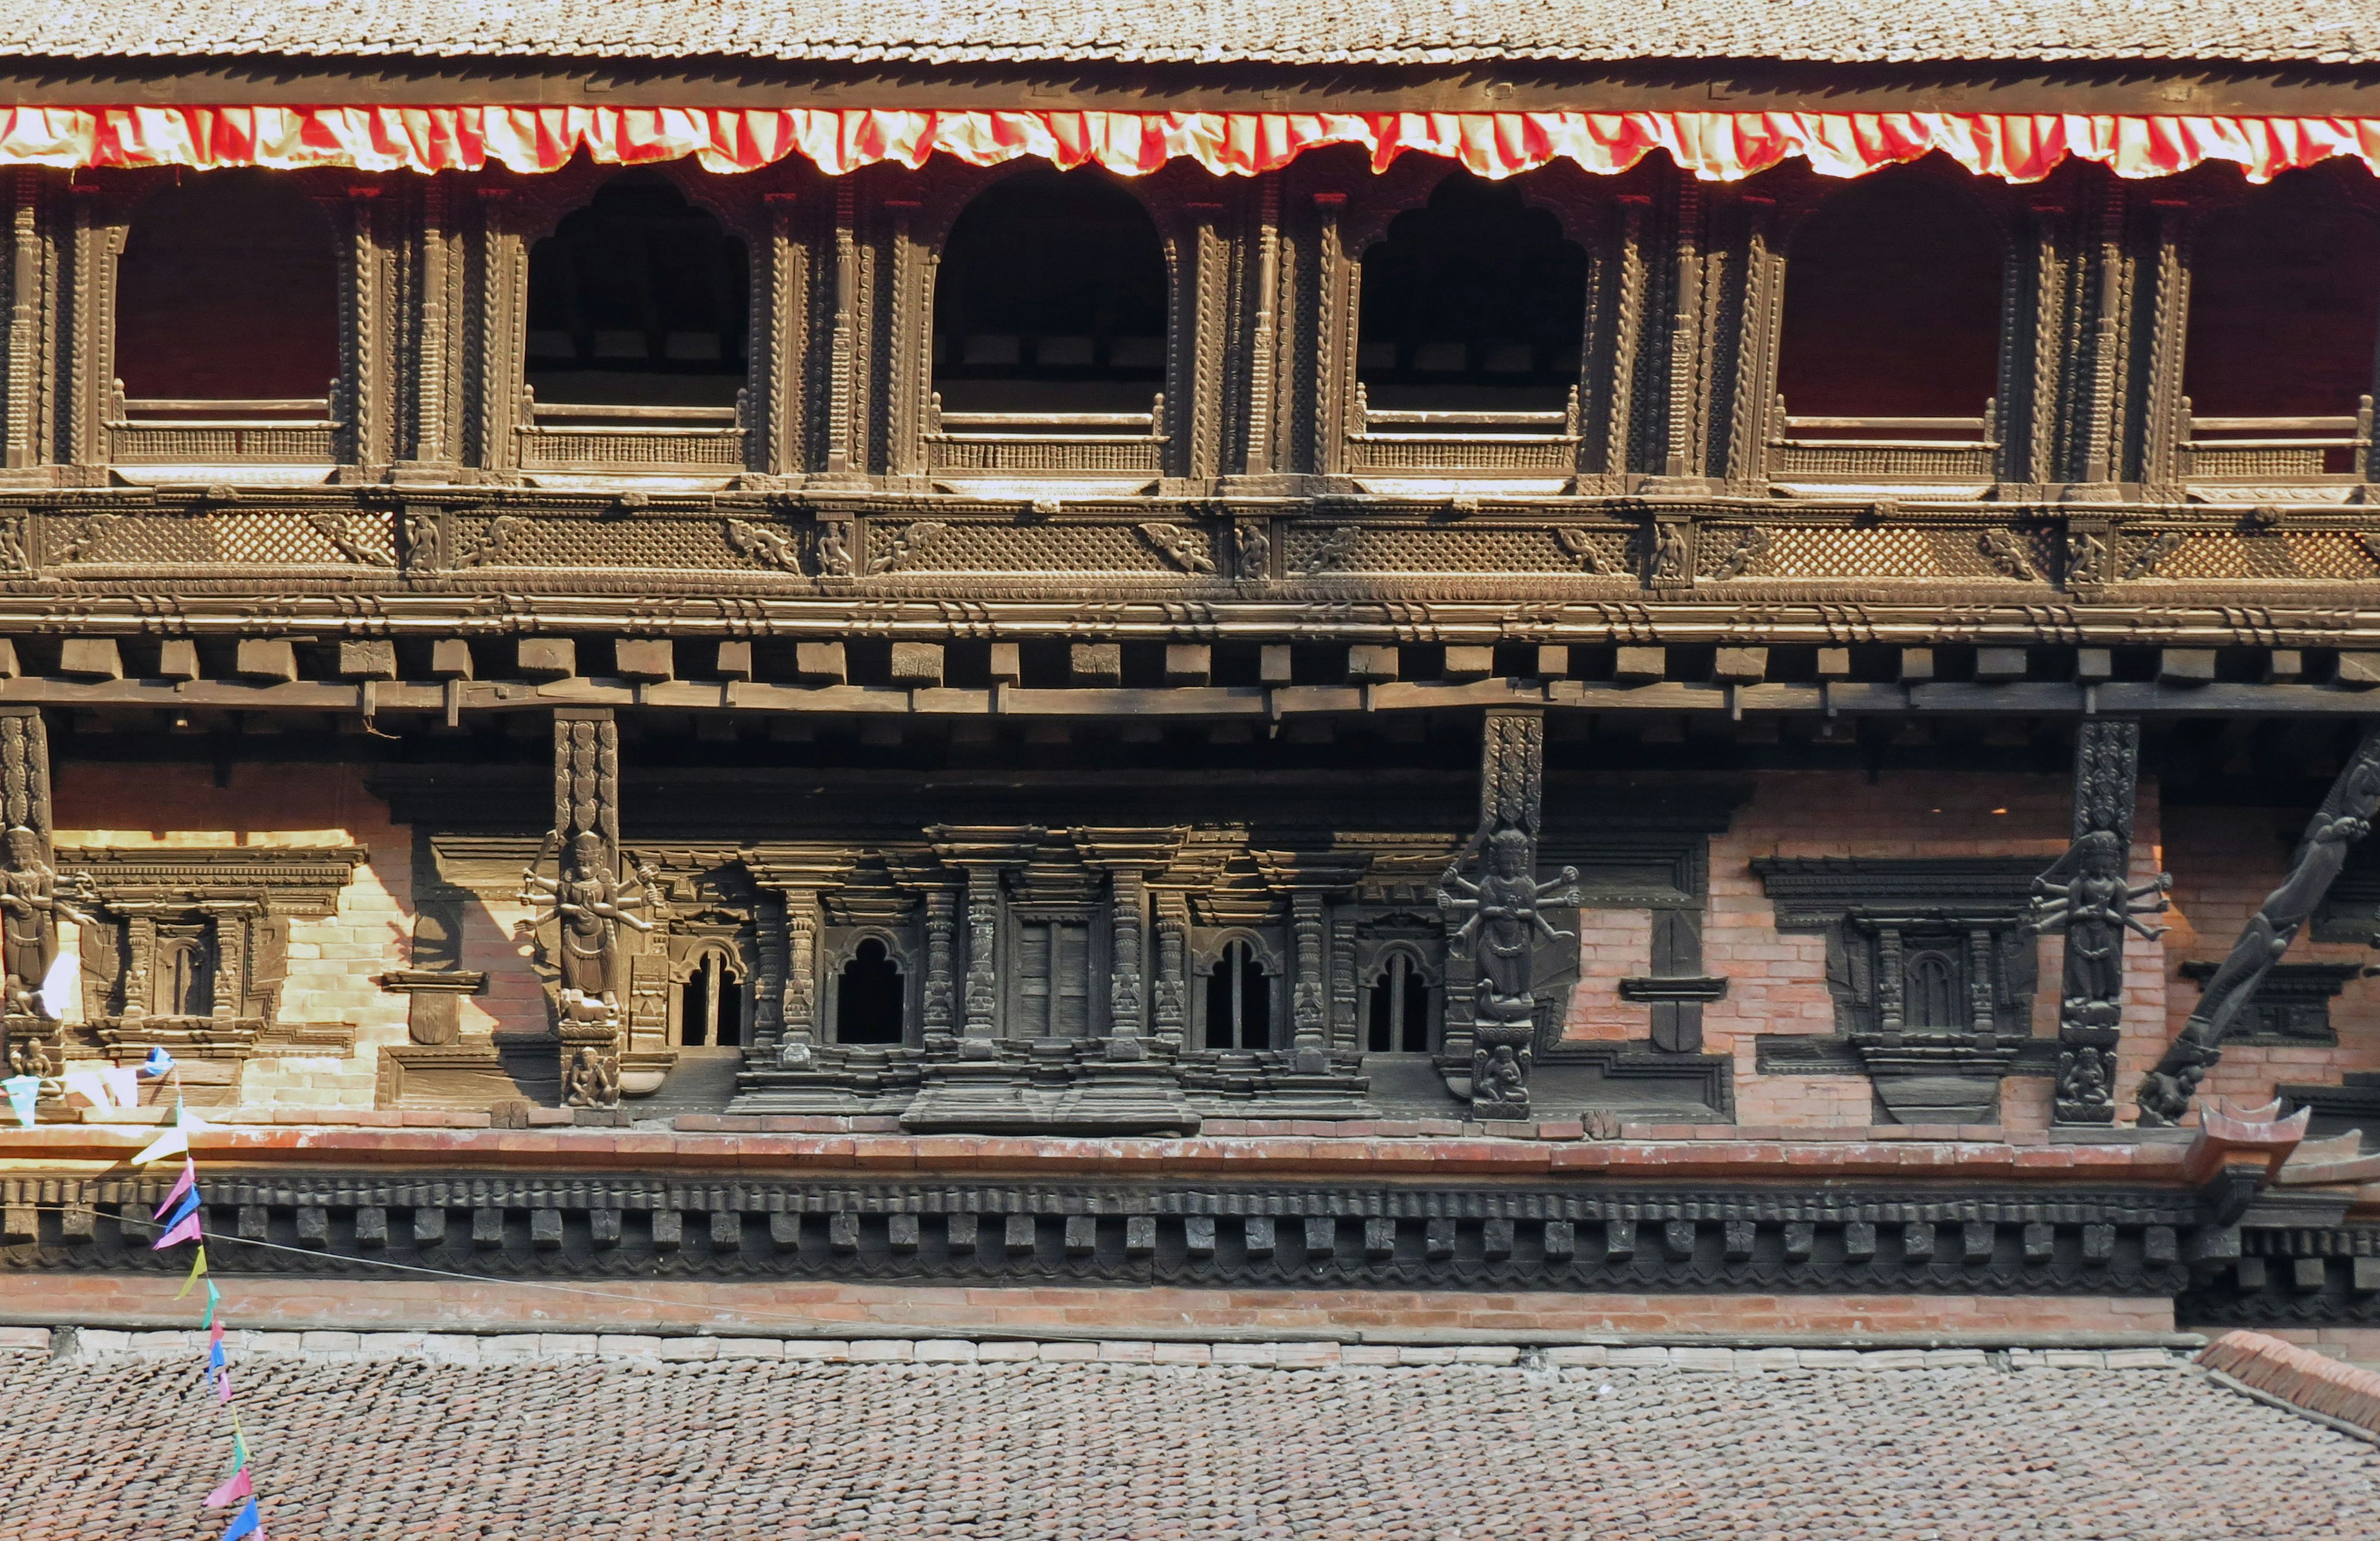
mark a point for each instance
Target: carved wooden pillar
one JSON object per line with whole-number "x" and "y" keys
{"x": 1337, "y": 296}
{"x": 1612, "y": 424}
{"x": 585, "y": 843}
{"x": 98, "y": 238}
{"x": 1264, "y": 339}
{"x": 497, "y": 409}
{"x": 2100, "y": 406}
{"x": 435, "y": 268}
{"x": 845, "y": 455}
{"x": 230, "y": 927}
{"x": 795, "y": 877}
{"x": 1127, "y": 857}
{"x": 984, "y": 854}
{"x": 1194, "y": 385}
{"x": 1751, "y": 394}
{"x": 782, "y": 310}
{"x": 1169, "y": 991}
{"x": 356, "y": 397}
{"x": 1504, "y": 911}
{"x": 2164, "y": 411}
{"x": 34, "y": 1036}
{"x": 941, "y": 941}
{"x": 1685, "y": 438}
{"x": 2089, "y": 895}
{"x": 1310, "y": 879}
{"x": 21, "y": 433}
{"x": 2041, "y": 300}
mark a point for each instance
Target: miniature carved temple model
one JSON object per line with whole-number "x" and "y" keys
{"x": 2344, "y": 818}
{"x": 1503, "y": 913}
{"x": 590, "y": 909}
{"x": 2088, "y": 894}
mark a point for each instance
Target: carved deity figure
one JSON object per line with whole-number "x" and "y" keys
{"x": 2095, "y": 907}
{"x": 589, "y": 903}
{"x": 1505, "y": 922}
{"x": 1499, "y": 1077}
{"x": 593, "y": 1080}
{"x": 1670, "y": 552}
{"x": 30, "y": 904}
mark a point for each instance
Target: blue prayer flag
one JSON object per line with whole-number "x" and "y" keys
{"x": 248, "y": 1522}
{"x": 158, "y": 1062}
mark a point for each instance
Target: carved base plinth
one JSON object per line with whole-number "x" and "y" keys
{"x": 643, "y": 1071}
{"x": 210, "y": 1052}
{"x": 474, "y": 1073}
{"x": 831, "y": 1080}
{"x": 1501, "y": 1059}
{"x": 1264, "y": 1085}
{"x": 1938, "y": 1077}
{"x": 1054, "y": 1085}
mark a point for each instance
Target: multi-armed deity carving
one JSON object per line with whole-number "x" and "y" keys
{"x": 590, "y": 905}
{"x": 32, "y": 898}
{"x": 2088, "y": 894}
{"x": 1503, "y": 913}
{"x": 2344, "y": 818}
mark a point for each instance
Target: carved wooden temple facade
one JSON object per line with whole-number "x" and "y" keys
{"x": 734, "y": 581}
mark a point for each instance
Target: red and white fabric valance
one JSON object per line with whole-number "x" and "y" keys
{"x": 1713, "y": 146}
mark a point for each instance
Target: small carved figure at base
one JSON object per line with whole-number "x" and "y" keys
{"x": 582, "y": 1009}
{"x": 2084, "y": 1079}
{"x": 592, "y": 1081}
{"x": 31, "y": 1056}
{"x": 2165, "y": 1093}
{"x": 1499, "y": 1082}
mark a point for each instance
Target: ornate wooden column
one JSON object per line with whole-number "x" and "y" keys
{"x": 1503, "y": 913}
{"x": 32, "y": 1027}
{"x": 22, "y": 348}
{"x": 1128, "y": 856}
{"x": 1309, "y": 879}
{"x": 984, "y": 854}
{"x": 794, "y": 877}
{"x": 2088, "y": 894}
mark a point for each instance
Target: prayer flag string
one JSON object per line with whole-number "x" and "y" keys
{"x": 181, "y": 1215}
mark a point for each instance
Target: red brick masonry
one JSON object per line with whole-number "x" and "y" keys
{"x": 2299, "y": 1377}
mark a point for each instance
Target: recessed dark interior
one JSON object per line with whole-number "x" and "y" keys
{"x": 2284, "y": 304}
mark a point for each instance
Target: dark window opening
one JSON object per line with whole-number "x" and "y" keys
{"x": 1892, "y": 312}
{"x": 1932, "y": 999}
{"x": 711, "y": 1006}
{"x": 1473, "y": 303}
{"x": 2284, "y": 316}
{"x": 185, "y": 979}
{"x": 1051, "y": 300}
{"x": 1400, "y": 1022}
{"x": 869, "y": 998}
{"x": 1239, "y": 1000}
{"x": 637, "y": 300}
{"x": 229, "y": 292}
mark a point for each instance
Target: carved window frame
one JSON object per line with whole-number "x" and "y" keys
{"x": 100, "y": 209}
{"x": 513, "y": 215}
{"x": 1351, "y": 214}
{"x": 1099, "y": 965}
{"x": 1372, "y": 960}
{"x": 917, "y": 213}
{"x": 837, "y": 946}
{"x": 1269, "y": 944}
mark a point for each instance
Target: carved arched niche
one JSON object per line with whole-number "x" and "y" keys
{"x": 2283, "y": 297}
{"x": 1047, "y": 337}
{"x": 869, "y": 988}
{"x": 1457, "y": 319}
{"x": 224, "y": 328}
{"x": 1239, "y": 991}
{"x": 1889, "y": 336}
{"x": 1402, "y": 1003}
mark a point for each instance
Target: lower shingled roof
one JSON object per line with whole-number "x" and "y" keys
{"x": 543, "y": 1448}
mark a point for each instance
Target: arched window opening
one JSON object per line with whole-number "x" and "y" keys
{"x": 639, "y": 301}
{"x": 227, "y": 302}
{"x": 185, "y": 979}
{"x": 1399, "y": 1009}
{"x": 2284, "y": 316}
{"x": 869, "y": 997}
{"x": 1471, "y": 314}
{"x": 1932, "y": 999}
{"x": 1239, "y": 1000}
{"x": 1892, "y": 316}
{"x": 710, "y": 1004}
{"x": 1050, "y": 305}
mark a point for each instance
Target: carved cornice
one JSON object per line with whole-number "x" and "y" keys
{"x": 1813, "y": 892}
{"x": 304, "y": 881}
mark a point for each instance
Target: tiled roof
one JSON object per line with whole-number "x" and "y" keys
{"x": 547, "y": 1446}
{"x": 1207, "y": 31}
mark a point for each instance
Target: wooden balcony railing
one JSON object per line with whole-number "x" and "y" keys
{"x": 226, "y": 431}
{"x": 2276, "y": 448}
{"x": 1046, "y": 442}
{"x": 1882, "y": 448}
{"x": 605, "y": 436}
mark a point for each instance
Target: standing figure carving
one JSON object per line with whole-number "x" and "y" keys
{"x": 588, "y": 906}
{"x": 1503, "y": 914}
{"x": 2088, "y": 894}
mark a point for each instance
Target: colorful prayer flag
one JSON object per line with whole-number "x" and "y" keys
{"x": 197, "y": 1268}
{"x": 184, "y": 1209}
{"x": 124, "y": 1081}
{"x": 158, "y": 1062}
{"x": 237, "y": 1487}
{"x": 61, "y": 984}
{"x": 184, "y": 1230}
{"x": 246, "y": 1523}
{"x": 173, "y": 1142}
{"x": 23, "y": 1092}
{"x": 183, "y": 1184}
{"x": 91, "y": 1086}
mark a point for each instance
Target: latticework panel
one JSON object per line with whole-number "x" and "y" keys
{"x": 1460, "y": 454}
{"x": 1028, "y": 454}
{"x": 260, "y": 538}
{"x": 565, "y": 449}
{"x": 2228, "y": 554}
{"x": 525, "y": 540}
{"x": 149, "y": 444}
{"x": 1840, "y": 552}
{"x": 1319, "y": 550}
{"x": 1896, "y": 463}
{"x": 998, "y": 546}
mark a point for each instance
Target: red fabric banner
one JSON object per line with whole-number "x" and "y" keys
{"x": 1715, "y": 147}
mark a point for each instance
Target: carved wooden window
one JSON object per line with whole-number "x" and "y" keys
{"x": 711, "y": 1002}
{"x": 636, "y": 333}
{"x": 1888, "y": 354}
{"x": 226, "y": 325}
{"x": 1049, "y": 331}
{"x": 2284, "y": 314}
{"x": 182, "y": 983}
{"x": 1471, "y": 315}
{"x": 1398, "y": 1012}
{"x": 1239, "y": 1000}
{"x": 1050, "y": 991}
{"x": 869, "y": 997}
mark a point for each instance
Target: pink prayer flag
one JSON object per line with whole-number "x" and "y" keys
{"x": 188, "y": 1230}
{"x": 189, "y": 1180}
{"x": 222, "y": 1385}
{"x": 235, "y": 1487}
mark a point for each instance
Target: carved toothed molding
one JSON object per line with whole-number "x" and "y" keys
{"x": 302, "y": 882}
